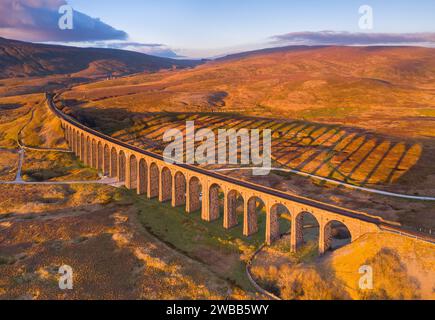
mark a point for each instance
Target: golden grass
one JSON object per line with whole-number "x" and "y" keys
{"x": 385, "y": 91}
{"x": 8, "y": 165}
{"x": 55, "y": 166}
{"x": 403, "y": 268}
{"x": 44, "y": 131}
{"x": 94, "y": 230}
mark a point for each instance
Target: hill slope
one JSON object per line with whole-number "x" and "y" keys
{"x": 21, "y": 59}
{"x": 403, "y": 269}
{"x": 382, "y": 88}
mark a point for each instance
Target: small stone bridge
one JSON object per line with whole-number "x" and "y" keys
{"x": 198, "y": 189}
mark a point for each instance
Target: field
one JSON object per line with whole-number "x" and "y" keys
{"x": 8, "y": 165}
{"x": 95, "y": 230}
{"x": 384, "y": 89}
{"x": 55, "y": 166}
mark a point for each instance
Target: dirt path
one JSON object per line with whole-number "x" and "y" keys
{"x": 21, "y": 152}
{"x": 18, "y": 178}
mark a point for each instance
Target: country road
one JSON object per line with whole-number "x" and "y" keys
{"x": 346, "y": 185}
{"x": 105, "y": 180}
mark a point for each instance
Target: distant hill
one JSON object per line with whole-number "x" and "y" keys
{"x": 21, "y": 59}
{"x": 391, "y": 89}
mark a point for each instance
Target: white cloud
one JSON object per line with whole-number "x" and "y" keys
{"x": 37, "y": 20}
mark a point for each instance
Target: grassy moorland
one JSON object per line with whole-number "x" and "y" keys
{"x": 224, "y": 251}
{"x": 8, "y": 164}
{"x": 384, "y": 89}
{"x": 33, "y": 68}
{"x": 95, "y": 230}
{"x": 55, "y": 166}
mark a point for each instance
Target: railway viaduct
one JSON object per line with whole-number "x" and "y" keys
{"x": 199, "y": 189}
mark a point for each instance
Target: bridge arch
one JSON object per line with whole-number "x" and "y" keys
{"x": 278, "y": 222}
{"x": 179, "y": 189}
{"x": 254, "y": 207}
{"x": 73, "y": 141}
{"x": 142, "y": 178}
{"x": 77, "y": 144}
{"x": 153, "y": 183}
{"x": 215, "y": 195}
{"x": 113, "y": 163}
{"x": 100, "y": 157}
{"x": 122, "y": 160}
{"x": 68, "y": 135}
{"x": 94, "y": 154}
{"x": 71, "y": 138}
{"x": 106, "y": 160}
{"x": 194, "y": 195}
{"x": 305, "y": 230}
{"x": 335, "y": 235}
{"x": 82, "y": 147}
{"x": 88, "y": 151}
{"x": 132, "y": 171}
{"x": 165, "y": 185}
{"x": 233, "y": 208}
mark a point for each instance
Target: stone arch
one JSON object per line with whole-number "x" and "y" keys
{"x": 335, "y": 235}
{"x": 70, "y": 137}
{"x": 74, "y": 141}
{"x": 93, "y": 162}
{"x": 165, "y": 185}
{"x": 179, "y": 190}
{"x": 82, "y": 147}
{"x": 253, "y": 208}
{"x": 67, "y": 135}
{"x": 305, "y": 230}
{"x": 216, "y": 197}
{"x": 133, "y": 172}
{"x": 234, "y": 205}
{"x": 142, "y": 178}
{"x": 77, "y": 137}
{"x": 153, "y": 182}
{"x": 278, "y": 222}
{"x": 113, "y": 163}
{"x": 194, "y": 195}
{"x": 100, "y": 157}
{"x": 88, "y": 152}
{"x": 106, "y": 161}
{"x": 121, "y": 166}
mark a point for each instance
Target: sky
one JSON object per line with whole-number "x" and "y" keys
{"x": 205, "y": 28}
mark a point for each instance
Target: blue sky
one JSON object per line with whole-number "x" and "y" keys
{"x": 210, "y": 27}
{"x": 220, "y": 23}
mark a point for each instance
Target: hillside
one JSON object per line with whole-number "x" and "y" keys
{"x": 389, "y": 89}
{"x": 21, "y": 59}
